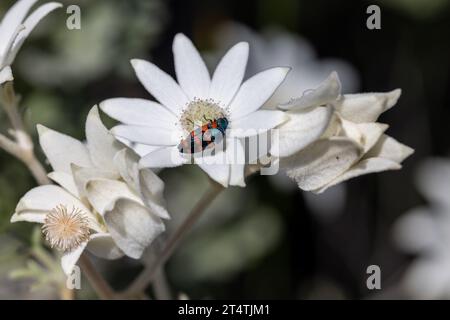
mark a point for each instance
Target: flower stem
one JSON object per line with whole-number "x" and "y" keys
{"x": 21, "y": 145}
{"x": 97, "y": 282}
{"x": 148, "y": 274}
{"x": 160, "y": 285}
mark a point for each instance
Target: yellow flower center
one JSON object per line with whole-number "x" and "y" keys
{"x": 66, "y": 229}
{"x": 199, "y": 112}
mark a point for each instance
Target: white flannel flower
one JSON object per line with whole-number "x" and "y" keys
{"x": 15, "y": 27}
{"x": 352, "y": 143}
{"x": 425, "y": 231}
{"x": 103, "y": 202}
{"x": 156, "y": 129}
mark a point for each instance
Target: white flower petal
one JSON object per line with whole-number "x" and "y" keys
{"x": 192, "y": 74}
{"x": 160, "y": 85}
{"x": 256, "y": 123}
{"x": 145, "y": 182}
{"x": 45, "y": 198}
{"x": 328, "y": 91}
{"x": 152, "y": 136}
{"x": 30, "y": 23}
{"x": 216, "y": 167}
{"x": 66, "y": 181}
{"x": 126, "y": 163}
{"x": 389, "y": 148}
{"x": 433, "y": 181}
{"x": 139, "y": 112}
{"x": 29, "y": 216}
{"x": 82, "y": 176}
{"x": 255, "y": 91}
{"x": 6, "y": 75}
{"x": 70, "y": 259}
{"x": 366, "y": 107}
{"x": 303, "y": 128}
{"x": 132, "y": 226}
{"x": 321, "y": 162}
{"x": 371, "y": 133}
{"x": 366, "y": 166}
{"x": 102, "y": 245}
{"x": 236, "y": 157}
{"x": 163, "y": 158}
{"x": 103, "y": 193}
{"x": 151, "y": 190}
{"x": 11, "y": 22}
{"x": 62, "y": 150}
{"x": 365, "y": 134}
{"x": 139, "y": 148}
{"x": 229, "y": 74}
{"x": 100, "y": 142}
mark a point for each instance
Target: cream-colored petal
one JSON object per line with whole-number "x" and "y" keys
{"x": 389, "y": 148}
{"x": 363, "y": 167}
{"x": 132, "y": 226}
{"x": 321, "y": 162}
{"x": 102, "y": 245}
{"x": 66, "y": 181}
{"x": 62, "y": 150}
{"x": 151, "y": 190}
{"x": 45, "y": 198}
{"x": 70, "y": 259}
{"x": 100, "y": 142}
{"x": 328, "y": 91}
{"x": 82, "y": 176}
{"x": 103, "y": 193}
{"x": 366, "y": 107}
{"x": 5, "y": 75}
{"x": 303, "y": 128}
{"x": 29, "y": 216}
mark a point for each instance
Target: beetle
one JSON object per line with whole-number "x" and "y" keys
{"x": 205, "y": 136}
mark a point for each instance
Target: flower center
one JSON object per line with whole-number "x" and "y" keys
{"x": 199, "y": 112}
{"x": 66, "y": 229}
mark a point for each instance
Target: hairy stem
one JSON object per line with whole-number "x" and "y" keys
{"x": 21, "y": 144}
{"x": 148, "y": 274}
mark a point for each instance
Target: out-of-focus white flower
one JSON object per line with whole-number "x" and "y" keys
{"x": 194, "y": 100}
{"x": 425, "y": 231}
{"x": 15, "y": 27}
{"x": 351, "y": 144}
{"x": 276, "y": 46}
{"x": 103, "y": 202}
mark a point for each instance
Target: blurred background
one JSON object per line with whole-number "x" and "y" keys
{"x": 269, "y": 240}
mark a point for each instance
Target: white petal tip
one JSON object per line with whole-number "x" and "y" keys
{"x": 41, "y": 129}
{"x": 136, "y": 62}
{"x": 14, "y": 218}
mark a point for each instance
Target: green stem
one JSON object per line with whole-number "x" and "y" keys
{"x": 148, "y": 274}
